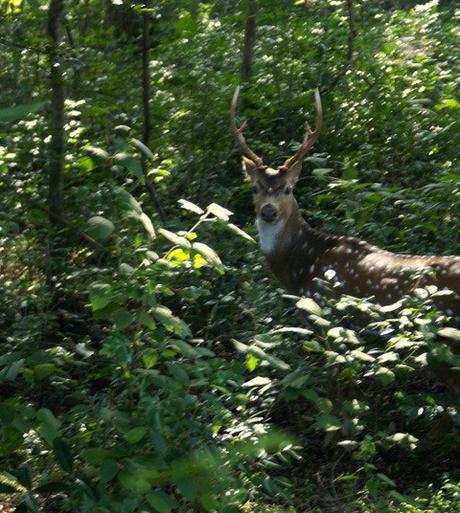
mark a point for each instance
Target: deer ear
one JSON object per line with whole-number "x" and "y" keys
{"x": 294, "y": 172}
{"x": 249, "y": 167}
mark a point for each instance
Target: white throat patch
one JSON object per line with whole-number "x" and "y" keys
{"x": 268, "y": 235}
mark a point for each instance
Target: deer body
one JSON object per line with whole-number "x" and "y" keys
{"x": 297, "y": 254}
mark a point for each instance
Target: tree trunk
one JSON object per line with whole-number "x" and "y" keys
{"x": 146, "y": 129}
{"x": 247, "y": 60}
{"x": 56, "y": 118}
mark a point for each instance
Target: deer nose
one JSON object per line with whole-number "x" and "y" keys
{"x": 268, "y": 213}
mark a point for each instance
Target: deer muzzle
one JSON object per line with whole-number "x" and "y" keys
{"x": 268, "y": 213}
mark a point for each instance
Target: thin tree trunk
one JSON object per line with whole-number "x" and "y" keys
{"x": 56, "y": 119}
{"x": 146, "y": 129}
{"x": 247, "y": 61}
{"x": 350, "y": 47}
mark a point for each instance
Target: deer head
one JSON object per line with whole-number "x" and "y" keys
{"x": 273, "y": 187}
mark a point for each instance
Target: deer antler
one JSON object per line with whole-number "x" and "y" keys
{"x": 311, "y": 136}
{"x": 238, "y": 132}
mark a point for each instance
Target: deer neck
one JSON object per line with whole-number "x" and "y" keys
{"x": 277, "y": 238}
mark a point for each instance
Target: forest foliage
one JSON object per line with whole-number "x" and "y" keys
{"x": 149, "y": 363}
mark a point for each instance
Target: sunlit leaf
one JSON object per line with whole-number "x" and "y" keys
{"x": 170, "y": 322}
{"x": 142, "y": 148}
{"x": 309, "y": 305}
{"x": 220, "y": 212}
{"x": 175, "y": 239}
{"x": 188, "y": 205}
{"x": 240, "y": 232}
{"x": 149, "y": 357}
{"x": 208, "y": 254}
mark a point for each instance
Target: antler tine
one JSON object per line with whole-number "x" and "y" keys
{"x": 311, "y": 136}
{"x": 238, "y": 131}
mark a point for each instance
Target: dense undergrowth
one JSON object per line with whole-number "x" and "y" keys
{"x": 158, "y": 367}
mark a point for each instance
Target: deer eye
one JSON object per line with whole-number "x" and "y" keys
{"x": 255, "y": 190}
{"x": 288, "y": 190}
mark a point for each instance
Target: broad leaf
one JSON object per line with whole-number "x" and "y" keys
{"x": 18, "y": 112}
{"x": 100, "y": 295}
{"x": 100, "y": 228}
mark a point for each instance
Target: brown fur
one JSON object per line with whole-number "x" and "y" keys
{"x": 301, "y": 254}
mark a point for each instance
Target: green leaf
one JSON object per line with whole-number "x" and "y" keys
{"x": 385, "y": 479}
{"x": 257, "y": 382}
{"x": 322, "y": 172}
{"x": 142, "y": 148}
{"x": 63, "y": 454}
{"x": 161, "y": 502}
{"x": 126, "y": 269}
{"x": 309, "y": 305}
{"x": 126, "y": 201}
{"x": 11, "y": 371}
{"x": 136, "y": 434}
{"x": 43, "y": 370}
{"x": 82, "y": 348}
{"x": 145, "y": 220}
{"x": 147, "y": 320}
{"x": 188, "y": 205}
{"x": 356, "y": 354}
{"x": 129, "y": 162}
{"x": 133, "y": 482}
{"x": 100, "y": 295}
{"x": 450, "y": 103}
{"x": 313, "y": 346}
{"x": 240, "y": 232}
{"x": 170, "y": 322}
{"x": 98, "y": 154}
{"x": 10, "y": 440}
{"x": 138, "y": 476}
{"x": 122, "y": 318}
{"x": 252, "y": 362}
{"x": 49, "y": 425}
{"x": 149, "y": 357}
{"x": 108, "y": 470}
{"x": 186, "y": 349}
{"x": 384, "y": 375}
{"x": 187, "y": 488}
{"x": 296, "y": 379}
{"x": 95, "y": 455}
{"x": 450, "y": 333}
{"x": 175, "y": 239}
{"x": 343, "y": 335}
{"x": 220, "y": 212}
{"x": 100, "y": 228}
{"x": 18, "y": 112}
{"x": 261, "y": 354}
{"x": 208, "y": 253}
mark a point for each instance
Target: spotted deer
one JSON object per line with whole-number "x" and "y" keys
{"x": 297, "y": 253}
